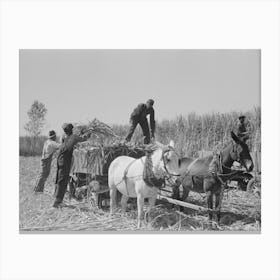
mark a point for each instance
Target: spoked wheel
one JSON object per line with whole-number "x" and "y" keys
{"x": 254, "y": 187}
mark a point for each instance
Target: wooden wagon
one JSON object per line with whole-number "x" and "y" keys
{"x": 89, "y": 170}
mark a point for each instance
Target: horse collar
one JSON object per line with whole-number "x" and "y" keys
{"x": 148, "y": 175}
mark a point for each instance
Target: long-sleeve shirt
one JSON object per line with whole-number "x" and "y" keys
{"x": 243, "y": 129}
{"x": 141, "y": 112}
{"x": 66, "y": 149}
{"x": 50, "y": 146}
{"x": 69, "y": 142}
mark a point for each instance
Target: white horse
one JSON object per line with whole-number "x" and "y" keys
{"x": 126, "y": 175}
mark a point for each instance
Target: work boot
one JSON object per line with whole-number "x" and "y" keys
{"x": 58, "y": 204}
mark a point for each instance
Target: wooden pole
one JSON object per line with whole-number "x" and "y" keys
{"x": 182, "y": 203}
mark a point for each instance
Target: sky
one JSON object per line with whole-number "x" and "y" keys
{"x": 80, "y": 85}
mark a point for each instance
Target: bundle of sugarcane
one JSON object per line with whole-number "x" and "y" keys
{"x": 95, "y": 128}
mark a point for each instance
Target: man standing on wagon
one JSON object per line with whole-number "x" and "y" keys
{"x": 64, "y": 159}
{"x": 139, "y": 116}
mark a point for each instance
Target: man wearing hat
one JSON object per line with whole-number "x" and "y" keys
{"x": 139, "y": 116}
{"x": 50, "y": 146}
{"x": 64, "y": 159}
{"x": 242, "y": 131}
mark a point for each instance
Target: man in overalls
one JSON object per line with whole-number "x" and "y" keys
{"x": 139, "y": 116}
{"x": 64, "y": 159}
{"x": 50, "y": 146}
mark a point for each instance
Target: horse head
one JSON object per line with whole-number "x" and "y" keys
{"x": 241, "y": 153}
{"x": 166, "y": 159}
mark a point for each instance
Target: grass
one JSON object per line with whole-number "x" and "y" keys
{"x": 31, "y": 146}
{"x": 241, "y": 211}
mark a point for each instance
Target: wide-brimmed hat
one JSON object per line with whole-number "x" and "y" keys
{"x": 52, "y": 134}
{"x": 67, "y": 126}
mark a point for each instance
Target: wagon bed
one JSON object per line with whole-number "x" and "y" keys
{"x": 91, "y": 163}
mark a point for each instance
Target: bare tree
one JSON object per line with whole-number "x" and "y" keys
{"x": 34, "y": 126}
{"x": 36, "y": 121}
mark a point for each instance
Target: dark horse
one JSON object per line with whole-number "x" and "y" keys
{"x": 195, "y": 174}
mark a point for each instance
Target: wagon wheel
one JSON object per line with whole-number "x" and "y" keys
{"x": 254, "y": 187}
{"x": 91, "y": 197}
{"x": 91, "y": 202}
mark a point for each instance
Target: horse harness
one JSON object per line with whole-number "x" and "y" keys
{"x": 148, "y": 175}
{"x": 219, "y": 172}
{"x": 216, "y": 169}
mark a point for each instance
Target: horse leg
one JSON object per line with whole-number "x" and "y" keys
{"x": 217, "y": 214}
{"x": 218, "y": 205}
{"x": 152, "y": 202}
{"x": 209, "y": 197}
{"x": 140, "y": 205}
{"x": 185, "y": 195}
{"x": 176, "y": 192}
{"x": 186, "y": 192}
{"x": 113, "y": 192}
{"x": 124, "y": 203}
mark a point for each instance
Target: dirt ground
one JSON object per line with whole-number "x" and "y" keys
{"x": 240, "y": 212}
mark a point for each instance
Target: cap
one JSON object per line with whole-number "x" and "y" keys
{"x": 67, "y": 126}
{"x": 52, "y": 134}
{"x": 151, "y": 101}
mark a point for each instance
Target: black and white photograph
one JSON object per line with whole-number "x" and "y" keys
{"x": 140, "y": 140}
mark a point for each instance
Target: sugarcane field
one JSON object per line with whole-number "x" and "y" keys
{"x": 90, "y": 210}
{"x": 140, "y": 147}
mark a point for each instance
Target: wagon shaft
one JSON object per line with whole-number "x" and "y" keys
{"x": 183, "y": 203}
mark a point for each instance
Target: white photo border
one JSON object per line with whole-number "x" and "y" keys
{"x": 139, "y": 25}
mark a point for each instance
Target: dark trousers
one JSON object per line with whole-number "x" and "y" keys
{"x": 62, "y": 179}
{"x": 145, "y": 128}
{"x": 44, "y": 174}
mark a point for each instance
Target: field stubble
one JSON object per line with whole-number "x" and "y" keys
{"x": 240, "y": 211}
